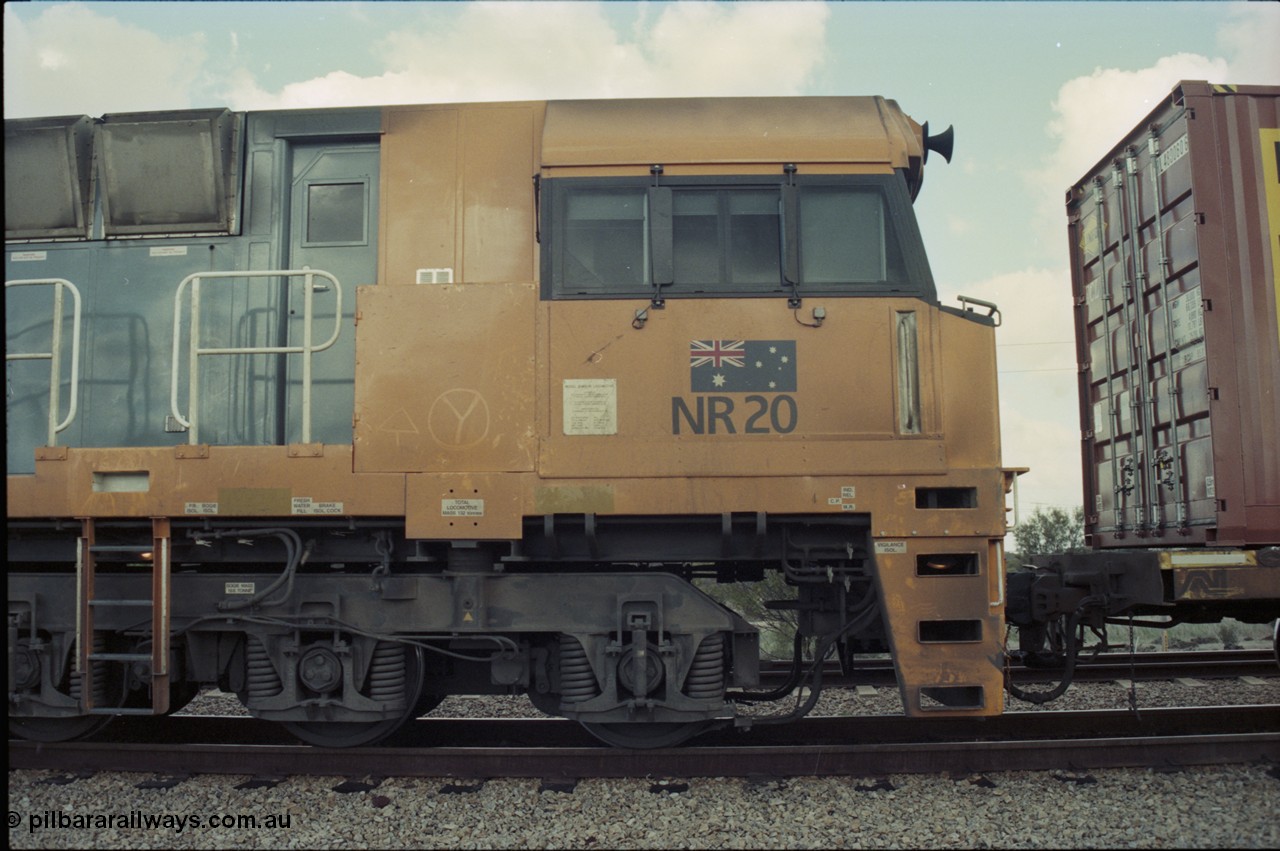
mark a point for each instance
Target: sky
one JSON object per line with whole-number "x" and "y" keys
{"x": 1037, "y": 93}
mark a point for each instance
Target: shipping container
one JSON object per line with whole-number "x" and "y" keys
{"x": 1172, "y": 239}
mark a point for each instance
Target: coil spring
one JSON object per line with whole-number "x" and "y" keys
{"x": 100, "y": 672}
{"x": 387, "y": 675}
{"x": 706, "y": 674}
{"x": 263, "y": 681}
{"x": 577, "y": 680}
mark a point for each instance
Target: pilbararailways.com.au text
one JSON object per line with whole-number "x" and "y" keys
{"x": 138, "y": 820}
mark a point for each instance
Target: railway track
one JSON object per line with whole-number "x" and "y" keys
{"x": 1207, "y": 664}
{"x": 554, "y": 748}
{"x": 857, "y": 745}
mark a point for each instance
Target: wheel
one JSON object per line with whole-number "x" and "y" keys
{"x": 646, "y": 735}
{"x": 181, "y": 694}
{"x": 343, "y": 734}
{"x": 354, "y": 734}
{"x": 427, "y": 702}
{"x": 58, "y": 729}
{"x": 108, "y": 691}
{"x": 181, "y": 690}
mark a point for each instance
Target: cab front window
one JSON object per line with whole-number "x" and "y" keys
{"x": 690, "y": 237}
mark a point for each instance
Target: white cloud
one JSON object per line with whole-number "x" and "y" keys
{"x": 1093, "y": 113}
{"x": 1039, "y": 418}
{"x": 959, "y": 225}
{"x": 52, "y": 59}
{"x": 1047, "y": 441}
{"x": 513, "y": 51}
{"x": 751, "y": 48}
{"x": 73, "y": 60}
{"x": 1036, "y": 309}
{"x": 337, "y": 88}
{"x": 76, "y": 58}
{"x": 1250, "y": 38}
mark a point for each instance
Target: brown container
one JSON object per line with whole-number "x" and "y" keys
{"x": 1173, "y": 240}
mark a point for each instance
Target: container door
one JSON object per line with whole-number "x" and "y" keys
{"x": 1149, "y": 463}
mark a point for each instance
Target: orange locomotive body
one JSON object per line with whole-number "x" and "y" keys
{"x": 349, "y": 410}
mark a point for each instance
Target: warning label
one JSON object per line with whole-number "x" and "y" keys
{"x": 305, "y": 505}
{"x": 845, "y": 500}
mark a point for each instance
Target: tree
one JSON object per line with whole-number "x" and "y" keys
{"x": 1048, "y": 530}
{"x": 777, "y": 626}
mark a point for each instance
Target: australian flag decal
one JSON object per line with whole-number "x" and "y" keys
{"x": 742, "y": 366}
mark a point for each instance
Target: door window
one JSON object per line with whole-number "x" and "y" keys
{"x": 337, "y": 213}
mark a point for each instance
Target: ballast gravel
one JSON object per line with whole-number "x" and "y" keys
{"x": 1233, "y": 806}
{"x": 1207, "y": 807}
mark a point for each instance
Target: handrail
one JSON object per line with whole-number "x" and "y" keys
{"x": 194, "y": 351}
{"x": 54, "y": 355}
{"x": 992, "y": 310}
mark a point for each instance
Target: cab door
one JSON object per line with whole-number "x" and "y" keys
{"x": 332, "y": 227}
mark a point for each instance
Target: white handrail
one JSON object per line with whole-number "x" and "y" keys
{"x": 54, "y": 356}
{"x": 194, "y": 351}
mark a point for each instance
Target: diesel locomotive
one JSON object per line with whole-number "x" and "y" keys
{"x": 348, "y": 410}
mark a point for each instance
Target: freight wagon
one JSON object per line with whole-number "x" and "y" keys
{"x": 1173, "y": 242}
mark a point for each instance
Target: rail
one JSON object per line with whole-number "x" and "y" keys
{"x": 195, "y": 351}
{"x": 54, "y": 355}
{"x": 554, "y": 748}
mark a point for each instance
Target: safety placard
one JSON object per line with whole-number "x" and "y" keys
{"x": 590, "y": 406}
